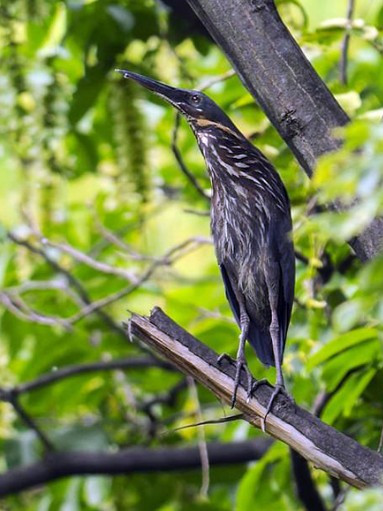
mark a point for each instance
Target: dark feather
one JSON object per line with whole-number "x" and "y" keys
{"x": 284, "y": 252}
{"x": 280, "y": 252}
{"x": 259, "y": 338}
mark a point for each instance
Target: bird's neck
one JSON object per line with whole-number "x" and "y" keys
{"x": 218, "y": 144}
{"x": 207, "y": 127}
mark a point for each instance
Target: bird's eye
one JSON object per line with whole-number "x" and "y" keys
{"x": 195, "y": 99}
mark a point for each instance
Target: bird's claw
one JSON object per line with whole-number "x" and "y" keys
{"x": 227, "y": 357}
{"x": 278, "y": 389}
{"x": 241, "y": 364}
{"x": 257, "y": 384}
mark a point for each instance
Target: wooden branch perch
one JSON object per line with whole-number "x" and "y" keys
{"x": 319, "y": 443}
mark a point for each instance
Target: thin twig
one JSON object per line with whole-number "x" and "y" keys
{"x": 11, "y": 395}
{"x": 205, "y": 313}
{"x": 89, "y": 261}
{"x": 346, "y": 43}
{"x": 113, "y": 238}
{"x": 44, "y": 285}
{"x": 103, "y": 243}
{"x": 89, "y": 307}
{"x": 78, "y": 369}
{"x": 340, "y": 499}
{"x": 185, "y": 247}
{"x": 168, "y": 398}
{"x": 75, "y": 283}
{"x": 216, "y": 79}
{"x": 380, "y": 442}
{"x": 27, "y": 419}
{"x": 168, "y": 258}
{"x": 20, "y": 309}
{"x": 196, "y": 212}
{"x": 202, "y": 446}
{"x": 108, "y": 300}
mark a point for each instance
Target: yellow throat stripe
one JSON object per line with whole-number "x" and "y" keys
{"x": 206, "y": 122}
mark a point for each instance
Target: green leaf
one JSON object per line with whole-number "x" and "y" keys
{"x": 121, "y": 16}
{"x": 88, "y": 89}
{"x": 350, "y": 101}
{"x": 56, "y": 31}
{"x": 338, "y": 366}
{"x": 345, "y": 399}
{"x": 341, "y": 343}
{"x": 96, "y": 490}
{"x": 348, "y": 314}
{"x": 248, "y": 489}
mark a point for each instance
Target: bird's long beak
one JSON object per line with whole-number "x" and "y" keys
{"x": 170, "y": 94}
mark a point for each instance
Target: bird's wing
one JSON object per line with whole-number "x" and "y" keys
{"x": 229, "y": 291}
{"x": 259, "y": 338}
{"x": 284, "y": 253}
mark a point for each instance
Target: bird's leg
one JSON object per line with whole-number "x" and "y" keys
{"x": 244, "y": 322}
{"x": 279, "y": 385}
{"x": 273, "y": 284}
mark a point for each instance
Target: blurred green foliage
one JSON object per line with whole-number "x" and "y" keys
{"x": 86, "y": 162}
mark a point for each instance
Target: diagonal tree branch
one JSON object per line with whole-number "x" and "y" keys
{"x": 319, "y": 443}
{"x": 12, "y": 398}
{"x": 275, "y": 70}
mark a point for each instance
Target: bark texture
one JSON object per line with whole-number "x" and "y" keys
{"x": 317, "y": 442}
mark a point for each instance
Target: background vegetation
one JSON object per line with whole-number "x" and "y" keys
{"x": 97, "y": 219}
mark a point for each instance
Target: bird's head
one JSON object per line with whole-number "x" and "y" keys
{"x": 199, "y": 109}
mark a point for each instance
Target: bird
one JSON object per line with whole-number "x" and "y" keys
{"x": 251, "y": 227}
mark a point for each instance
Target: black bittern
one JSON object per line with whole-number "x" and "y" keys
{"x": 251, "y": 227}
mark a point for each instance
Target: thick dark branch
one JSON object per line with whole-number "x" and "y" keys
{"x": 277, "y": 73}
{"x": 12, "y": 394}
{"x": 57, "y": 465}
{"x": 319, "y": 443}
{"x": 305, "y": 486}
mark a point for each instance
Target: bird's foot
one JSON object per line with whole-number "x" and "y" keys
{"x": 226, "y": 357}
{"x": 241, "y": 364}
{"x": 278, "y": 389}
{"x": 257, "y": 384}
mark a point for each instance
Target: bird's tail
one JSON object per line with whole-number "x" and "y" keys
{"x": 260, "y": 340}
